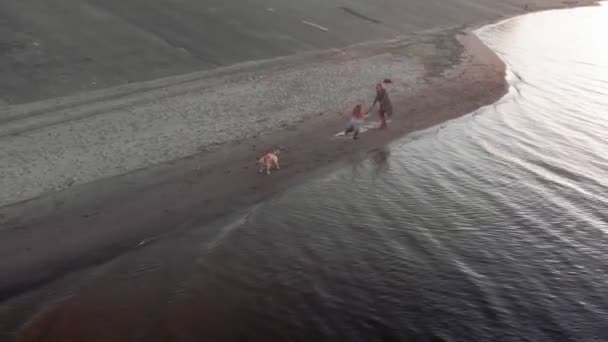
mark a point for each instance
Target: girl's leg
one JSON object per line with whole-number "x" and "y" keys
{"x": 356, "y": 135}
{"x": 349, "y": 129}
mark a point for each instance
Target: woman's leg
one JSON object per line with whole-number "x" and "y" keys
{"x": 382, "y": 118}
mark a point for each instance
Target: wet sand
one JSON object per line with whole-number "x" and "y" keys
{"x": 98, "y": 220}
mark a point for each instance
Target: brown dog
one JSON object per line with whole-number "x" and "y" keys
{"x": 268, "y": 160}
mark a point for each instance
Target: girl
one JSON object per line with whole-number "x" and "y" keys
{"x": 358, "y": 117}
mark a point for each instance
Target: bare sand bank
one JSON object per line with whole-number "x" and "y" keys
{"x": 460, "y": 75}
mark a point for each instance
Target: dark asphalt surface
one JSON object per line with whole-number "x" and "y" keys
{"x": 60, "y": 47}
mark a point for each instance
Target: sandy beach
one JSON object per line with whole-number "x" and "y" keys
{"x": 110, "y": 169}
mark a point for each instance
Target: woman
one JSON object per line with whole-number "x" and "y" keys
{"x": 386, "y": 107}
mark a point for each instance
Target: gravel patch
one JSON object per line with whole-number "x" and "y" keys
{"x": 109, "y": 137}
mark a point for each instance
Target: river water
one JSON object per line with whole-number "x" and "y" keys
{"x": 491, "y": 227}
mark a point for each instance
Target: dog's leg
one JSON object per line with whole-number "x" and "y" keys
{"x": 276, "y": 162}
{"x": 268, "y": 168}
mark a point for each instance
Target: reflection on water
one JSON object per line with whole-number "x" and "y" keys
{"x": 492, "y": 228}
